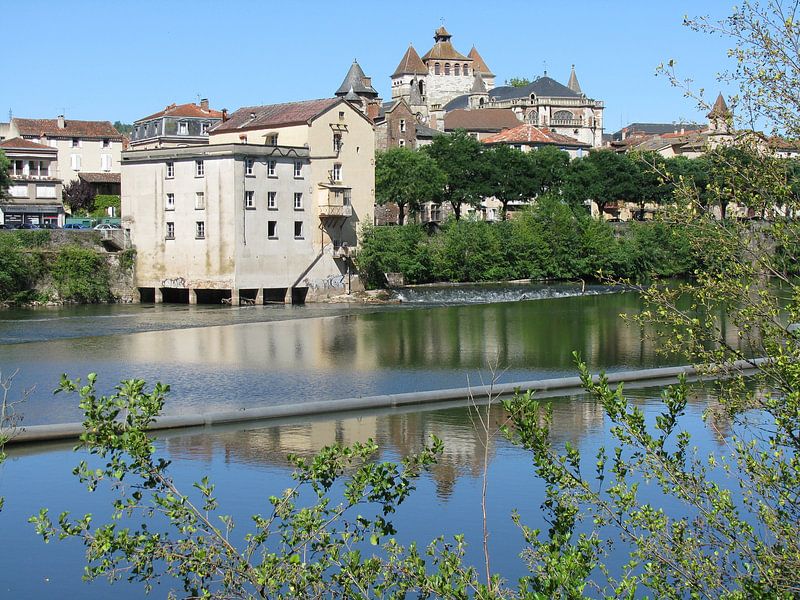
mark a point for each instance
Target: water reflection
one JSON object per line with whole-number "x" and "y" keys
{"x": 360, "y": 354}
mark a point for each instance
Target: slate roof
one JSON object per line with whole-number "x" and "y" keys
{"x": 99, "y": 177}
{"x": 183, "y": 110}
{"x": 484, "y": 119}
{"x": 478, "y": 87}
{"x": 72, "y": 128}
{"x": 656, "y": 128}
{"x": 544, "y": 87}
{"x": 530, "y": 134}
{"x": 274, "y": 115}
{"x": 478, "y": 64}
{"x": 410, "y": 64}
{"x": 422, "y": 131}
{"x": 573, "y": 82}
{"x": 20, "y": 144}
{"x": 355, "y": 81}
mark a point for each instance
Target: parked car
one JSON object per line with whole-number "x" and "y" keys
{"x": 75, "y": 226}
{"x": 7, "y": 226}
{"x": 106, "y": 227}
{"x": 29, "y": 226}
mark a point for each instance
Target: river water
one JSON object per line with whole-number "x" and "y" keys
{"x": 222, "y": 358}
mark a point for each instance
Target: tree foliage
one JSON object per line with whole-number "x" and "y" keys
{"x": 408, "y": 178}
{"x": 518, "y": 82}
{"x": 79, "y": 196}
{"x": 5, "y": 178}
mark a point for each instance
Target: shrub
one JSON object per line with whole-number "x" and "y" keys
{"x": 81, "y": 275}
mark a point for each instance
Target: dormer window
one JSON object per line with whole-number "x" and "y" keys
{"x": 183, "y": 128}
{"x": 204, "y": 127}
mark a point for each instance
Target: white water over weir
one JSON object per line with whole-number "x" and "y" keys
{"x": 544, "y": 388}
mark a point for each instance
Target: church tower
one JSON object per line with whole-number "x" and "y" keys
{"x": 357, "y": 88}
{"x": 478, "y": 95}
{"x": 478, "y": 64}
{"x": 409, "y": 82}
{"x": 449, "y": 71}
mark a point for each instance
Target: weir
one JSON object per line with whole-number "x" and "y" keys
{"x": 478, "y": 394}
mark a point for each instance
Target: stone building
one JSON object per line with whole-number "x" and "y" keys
{"x": 34, "y": 196}
{"x": 175, "y": 125}
{"x": 268, "y": 210}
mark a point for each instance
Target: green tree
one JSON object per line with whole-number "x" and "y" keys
{"x": 5, "y": 178}
{"x": 123, "y": 128}
{"x": 510, "y": 177}
{"x": 79, "y": 195}
{"x": 604, "y": 176}
{"x": 408, "y": 178}
{"x": 549, "y": 166}
{"x": 459, "y": 156}
{"x": 518, "y": 82}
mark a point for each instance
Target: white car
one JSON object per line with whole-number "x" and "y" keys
{"x": 106, "y": 227}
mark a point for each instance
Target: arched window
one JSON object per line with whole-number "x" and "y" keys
{"x": 466, "y": 69}
{"x": 480, "y": 103}
{"x": 437, "y": 69}
{"x": 563, "y": 115}
{"x": 421, "y": 88}
{"x": 457, "y": 70}
{"x": 447, "y": 68}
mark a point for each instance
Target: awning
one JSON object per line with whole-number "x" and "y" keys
{"x": 32, "y": 208}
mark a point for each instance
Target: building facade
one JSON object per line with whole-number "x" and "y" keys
{"x": 82, "y": 146}
{"x": 176, "y": 125}
{"x": 268, "y": 210}
{"x": 34, "y": 196}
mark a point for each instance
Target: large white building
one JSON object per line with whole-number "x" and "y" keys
{"x": 268, "y": 210}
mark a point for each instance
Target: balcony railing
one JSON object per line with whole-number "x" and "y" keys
{"x": 333, "y": 210}
{"x": 567, "y": 122}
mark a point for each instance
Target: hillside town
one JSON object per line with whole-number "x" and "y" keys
{"x": 267, "y": 203}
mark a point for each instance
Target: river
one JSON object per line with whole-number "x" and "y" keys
{"x": 223, "y": 358}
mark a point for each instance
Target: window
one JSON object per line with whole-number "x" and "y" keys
{"x": 401, "y": 142}
{"x": 457, "y": 70}
{"x": 200, "y": 230}
{"x": 199, "y": 200}
{"x": 199, "y": 168}
{"x": 437, "y": 69}
{"x": 298, "y": 230}
{"x": 346, "y": 198}
{"x": 298, "y": 169}
{"x": 75, "y": 162}
{"x": 170, "y": 230}
{"x": 183, "y": 128}
{"x": 337, "y": 142}
{"x": 466, "y": 70}
{"x": 298, "y": 201}
{"x": 106, "y": 143}
{"x": 170, "y": 203}
{"x": 272, "y": 139}
{"x": 170, "y": 169}
{"x": 249, "y": 199}
{"x": 272, "y": 200}
{"x": 76, "y": 143}
{"x": 447, "y": 68}
{"x": 271, "y": 165}
{"x": 272, "y": 230}
{"x": 105, "y": 162}
{"x": 341, "y": 115}
{"x": 337, "y": 172}
{"x": 204, "y": 127}
{"x": 248, "y": 169}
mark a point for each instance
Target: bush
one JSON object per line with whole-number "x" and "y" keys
{"x": 103, "y": 202}
{"x": 81, "y": 275}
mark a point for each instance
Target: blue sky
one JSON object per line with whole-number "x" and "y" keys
{"x": 124, "y": 60}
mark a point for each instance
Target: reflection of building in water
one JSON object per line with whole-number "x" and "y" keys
{"x": 397, "y": 435}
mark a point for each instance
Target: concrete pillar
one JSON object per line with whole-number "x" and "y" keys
{"x": 158, "y": 297}
{"x": 235, "y": 297}
{"x": 192, "y": 296}
{"x": 260, "y": 296}
{"x": 287, "y": 299}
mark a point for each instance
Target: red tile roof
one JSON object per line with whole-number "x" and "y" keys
{"x": 483, "y": 119}
{"x": 530, "y": 134}
{"x": 274, "y": 115}
{"x": 410, "y": 64}
{"x": 72, "y": 128}
{"x": 19, "y": 143}
{"x": 478, "y": 64}
{"x": 183, "y": 110}
{"x": 100, "y": 177}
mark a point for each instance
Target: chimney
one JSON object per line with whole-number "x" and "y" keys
{"x": 204, "y": 104}
{"x": 372, "y": 110}
{"x": 367, "y": 81}
{"x": 62, "y": 124}
{"x": 224, "y": 114}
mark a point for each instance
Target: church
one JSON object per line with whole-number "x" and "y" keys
{"x": 444, "y": 80}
